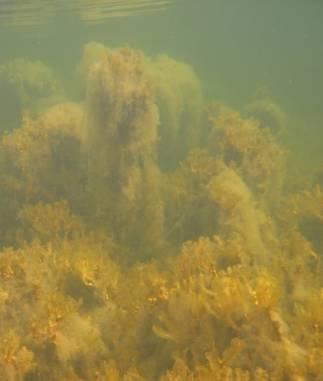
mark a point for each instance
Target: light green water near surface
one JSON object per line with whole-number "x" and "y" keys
{"x": 235, "y": 47}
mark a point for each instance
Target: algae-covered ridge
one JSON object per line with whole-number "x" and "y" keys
{"x": 149, "y": 233}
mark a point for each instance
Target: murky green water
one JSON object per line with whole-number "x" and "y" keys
{"x": 161, "y": 190}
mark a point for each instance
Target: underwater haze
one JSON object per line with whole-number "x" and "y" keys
{"x": 161, "y": 190}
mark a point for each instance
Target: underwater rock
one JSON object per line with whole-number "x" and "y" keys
{"x": 239, "y": 214}
{"x": 179, "y": 98}
{"x": 177, "y": 94}
{"x": 35, "y": 84}
{"x": 120, "y": 141}
{"x": 91, "y": 54}
{"x": 249, "y": 149}
{"x": 41, "y": 160}
{"x": 189, "y": 213}
{"x": 268, "y": 113}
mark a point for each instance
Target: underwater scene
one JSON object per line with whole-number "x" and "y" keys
{"x": 161, "y": 190}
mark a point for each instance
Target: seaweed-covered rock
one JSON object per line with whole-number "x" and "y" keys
{"x": 35, "y": 84}
{"x": 120, "y": 142}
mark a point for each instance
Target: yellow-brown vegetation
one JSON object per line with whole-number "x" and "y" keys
{"x": 116, "y": 265}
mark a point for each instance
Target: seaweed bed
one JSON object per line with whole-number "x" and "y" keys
{"x": 149, "y": 234}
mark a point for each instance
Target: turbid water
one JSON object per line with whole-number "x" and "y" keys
{"x": 161, "y": 190}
